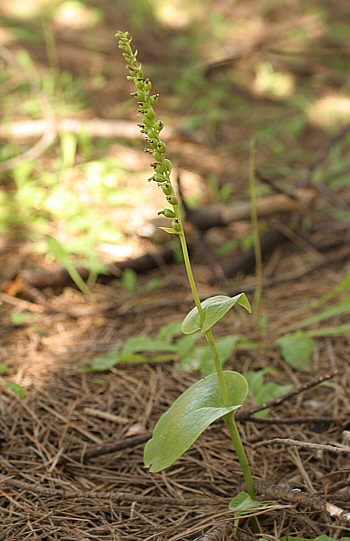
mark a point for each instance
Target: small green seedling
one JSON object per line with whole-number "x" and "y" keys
{"x": 167, "y": 346}
{"x": 219, "y": 394}
{"x": 17, "y": 389}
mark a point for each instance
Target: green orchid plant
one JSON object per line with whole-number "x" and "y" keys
{"x": 219, "y": 394}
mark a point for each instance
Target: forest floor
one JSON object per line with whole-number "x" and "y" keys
{"x": 50, "y": 487}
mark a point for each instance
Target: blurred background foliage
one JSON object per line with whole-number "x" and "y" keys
{"x": 226, "y": 70}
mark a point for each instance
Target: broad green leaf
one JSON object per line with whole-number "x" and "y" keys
{"x": 214, "y": 309}
{"x": 296, "y": 350}
{"x": 201, "y": 358}
{"x": 267, "y": 392}
{"x": 140, "y": 344}
{"x": 186, "y": 344}
{"x": 103, "y": 363}
{"x": 14, "y": 387}
{"x": 189, "y": 416}
{"x": 242, "y": 503}
{"x": 132, "y": 346}
{"x": 168, "y": 331}
{"x": 255, "y": 379}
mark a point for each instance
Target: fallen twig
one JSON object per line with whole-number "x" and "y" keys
{"x": 305, "y": 444}
{"x": 243, "y": 413}
{"x": 88, "y": 494}
{"x": 209, "y": 216}
{"x": 297, "y": 496}
{"x": 104, "y": 449}
{"x": 341, "y": 420}
{"x": 29, "y": 130}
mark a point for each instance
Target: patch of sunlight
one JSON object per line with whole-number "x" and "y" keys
{"x": 273, "y": 83}
{"x": 23, "y": 9}
{"x": 172, "y": 16}
{"x": 176, "y": 13}
{"x": 74, "y": 14}
{"x": 6, "y": 36}
{"x": 116, "y": 252}
{"x": 329, "y": 109}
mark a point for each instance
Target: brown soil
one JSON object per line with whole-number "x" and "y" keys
{"x": 55, "y": 496}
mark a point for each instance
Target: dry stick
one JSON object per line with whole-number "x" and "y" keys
{"x": 297, "y": 496}
{"x": 29, "y": 130}
{"x": 104, "y": 449}
{"x": 88, "y": 494}
{"x": 241, "y": 415}
{"x": 216, "y": 533}
{"x": 305, "y": 444}
{"x": 247, "y": 412}
{"x": 334, "y": 258}
{"x": 341, "y": 420}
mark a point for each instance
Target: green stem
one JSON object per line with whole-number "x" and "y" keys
{"x": 218, "y": 366}
{"x": 242, "y": 457}
{"x": 229, "y": 418}
{"x": 189, "y": 270}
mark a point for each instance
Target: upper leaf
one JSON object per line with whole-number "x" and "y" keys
{"x": 214, "y": 309}
{"x": 189, "y": 416}
{"x": 296, "y": 350}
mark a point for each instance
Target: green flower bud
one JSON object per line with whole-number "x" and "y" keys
{"x": 153, "y": 99}
{"x": 150, "y": 114}
{"x": 152, "y": 143}
{"x": 167, "y": 189}
{"x": 148, "y": 85}
{"x": 172, "y": 200}
{"x": 140, "y": 85}
{"x": 152, "y": 134}
{"x": 176, "y": 225}
{"x": 168, "y": 165}
{"x": 138, "y": 95}
{"x": 159, "y": 125}
{"x": 154, "y": 153}
{"x": 161, "y": 147}
{"x": 159, "y": 178}
{"x": 168, "y": 213}
{"x": 123, "y": 45}
{"x": 157, "y": 167}
{"x": 147, "y": 122}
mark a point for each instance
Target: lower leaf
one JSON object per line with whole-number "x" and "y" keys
{"x": 189, "y": 416}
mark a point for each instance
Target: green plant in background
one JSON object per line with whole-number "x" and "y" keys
{"x": 190, "y": 355}
{"x": 17, "y": 389}
{"x": 219, "y": 394}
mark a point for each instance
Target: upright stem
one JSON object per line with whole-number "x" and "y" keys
{"x": 229, "y": 418}
{"x": 190, "y": 275}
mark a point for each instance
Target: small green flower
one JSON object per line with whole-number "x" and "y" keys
{"x": 168, "y": 213}
{"x": 151, "y": 127}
